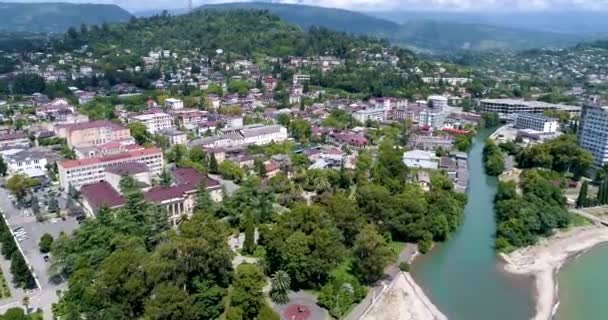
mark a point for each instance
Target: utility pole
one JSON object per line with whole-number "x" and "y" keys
{"x": 189, "y": 5}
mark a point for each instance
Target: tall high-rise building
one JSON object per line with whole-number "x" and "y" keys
{"x": 593, "y": 132}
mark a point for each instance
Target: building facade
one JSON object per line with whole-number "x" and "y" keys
{"x": 91, "y": 170}
{"x": 370, "y": 114}
{"x": 507, "y": 109}
{"x": 94, "y": 133}
{"x": 154, "y": 122}
{"x": 536, "y": 122}
{"x": 593, "y": 133}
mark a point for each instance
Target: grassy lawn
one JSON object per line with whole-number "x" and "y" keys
{"x": 397, "y": 246}
{"x": 579, "y": 221}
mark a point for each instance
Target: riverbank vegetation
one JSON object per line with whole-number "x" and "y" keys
{"x": 533, "y": 208}
{"x": 493, "y": 159}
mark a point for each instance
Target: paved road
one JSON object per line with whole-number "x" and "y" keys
{"x": 47, "y": 294}
{"x": 304, "y": 299}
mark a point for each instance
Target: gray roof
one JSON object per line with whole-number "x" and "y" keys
{"x": 256, "y": 131}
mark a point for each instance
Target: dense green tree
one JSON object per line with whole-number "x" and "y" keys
{"x": 45, "y": 243}
{"x": 22, "y": 277}
{"x": 213, "y": 166}
{"x": 372, "y": 254}
{"x": 493, "y": 159}
{"x": 247, "y": 290}
{"x": 249, "y": 243}
{"x": 582, "y": 200}
{"x": 53, "y": 206}
{"x": 165, "y": 179}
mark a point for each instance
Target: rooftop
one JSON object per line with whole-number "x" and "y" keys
{"x": 101, "y": 194}
{"x": 131, "y": 168}
{"x": 126, "y": 155}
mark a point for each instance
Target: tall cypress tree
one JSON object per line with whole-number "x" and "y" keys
{"x": 249, "y": 244}
{"x": 581, "y": 201}
{"x": 213, "y": 167}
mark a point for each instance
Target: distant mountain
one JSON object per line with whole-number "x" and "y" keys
{"x": 571, "y": 22}
{"x": 307, "y": 16}
{"x": 422, "y": 34}
{"x": 56, "y": 17}
{"x": 446, "y": 35}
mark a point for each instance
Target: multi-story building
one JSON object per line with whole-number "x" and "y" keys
{"x": 420, "y": 159}
{"x": 593, "y": 133}
{"x": 174, "y": 104}
{"x": 508, "y": 108}
{"x": 256, "y": 134}
{"x": 154, "y": 121}
{"x": 175, "y": 136}
{"x": 536, "y": 122}
{"x": 371, "y": 114}
{"x": 88, "y": 134}
{"x": 433, "y": 118}
{"x": 15, "y": 139}
{"x": 91, "y": 170}
{"x": 30, "y": 162}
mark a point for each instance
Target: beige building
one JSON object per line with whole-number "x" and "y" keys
{"x": 91, "y": 133}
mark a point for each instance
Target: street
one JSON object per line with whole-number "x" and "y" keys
{"x": 45, "y": 296}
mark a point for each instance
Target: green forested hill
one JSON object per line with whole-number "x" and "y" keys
{"x": 434, "y": 35}
{"x": 307, "y": 16}
{"x": 56, "y": 17}
{"x": 244, "y": 32}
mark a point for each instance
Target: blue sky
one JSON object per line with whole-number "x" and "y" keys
{"x": 365, "y": 5}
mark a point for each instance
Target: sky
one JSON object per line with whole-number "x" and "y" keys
{"x": 374, "y": 5}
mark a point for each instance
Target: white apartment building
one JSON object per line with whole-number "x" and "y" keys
{"x": 593, "y": 133}
{"x": 174, "y": 104}
{"x": 536, "y": 122}
{"x": 27, "y": 162}
{"x": 437, "y": 102}
{"x": 372, "y": 114}
{"x": 154, "y": 122}
{"x": 432, "y": 118}
{"x": 255, "y": 134}
{"x": 420, "y": 159}
{"x": 92, "y": 170}
{"x": 508, "y": 108}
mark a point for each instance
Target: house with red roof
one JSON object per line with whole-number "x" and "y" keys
{"x": 178, "y": 199}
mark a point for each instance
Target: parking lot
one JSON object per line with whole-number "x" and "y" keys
{"x": 28, "y": 232}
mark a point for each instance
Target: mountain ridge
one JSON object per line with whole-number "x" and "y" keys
{"x": 56, "y": 17}
{"x": 421, "y": 34}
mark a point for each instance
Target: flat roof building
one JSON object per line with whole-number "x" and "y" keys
{"x": 508, "y": 108}
{"x": 91, "y": 170}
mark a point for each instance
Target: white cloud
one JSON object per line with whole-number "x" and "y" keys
{"x": 457, "y": 5}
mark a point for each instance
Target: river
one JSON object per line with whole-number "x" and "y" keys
{"x": 462, "y": 276}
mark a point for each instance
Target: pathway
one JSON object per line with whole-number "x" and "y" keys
{"x": 375, "y": 292}
{"x": 595, "y": 219}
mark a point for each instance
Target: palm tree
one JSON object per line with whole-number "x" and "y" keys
{"x": 281, "y": 283}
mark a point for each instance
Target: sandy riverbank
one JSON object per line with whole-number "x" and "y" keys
{"x": 544, "y": 260}
{"x": 403, "y": 299}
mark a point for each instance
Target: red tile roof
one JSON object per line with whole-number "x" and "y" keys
{"x": 126, "y": 155}
{"x": 100, "y": 194}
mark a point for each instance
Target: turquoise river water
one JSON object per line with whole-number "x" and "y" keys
{"x": 462, "y": 276}
{"x": 464, "y": 279}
